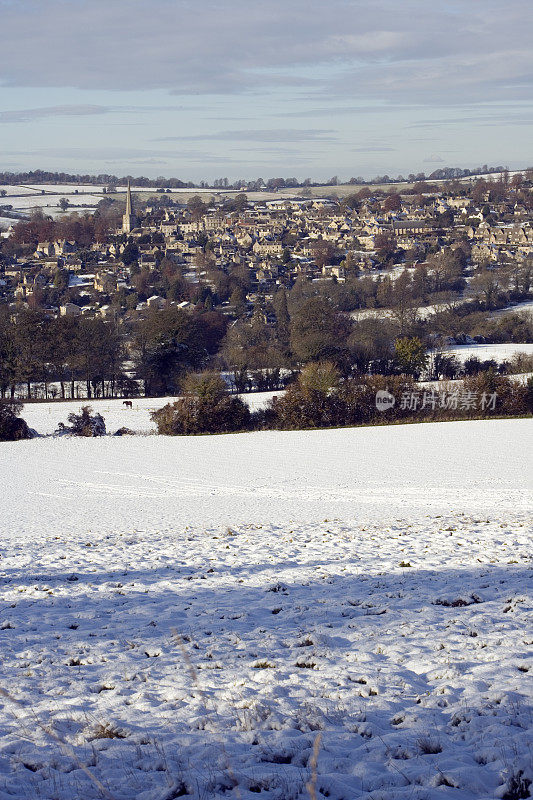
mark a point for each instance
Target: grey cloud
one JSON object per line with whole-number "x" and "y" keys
{"x": 120, "y": 155}
{"x": 499, "y": 118}
{"x": 147, "y": 162}
{"x": 375, "y": 70}
{"x": 30, "y": 114}
{"x": 272, "y": 135}
{"x": 408, "y": 52}
{"x": 392, "y": 107}
{"x": 335, "y": 111}
{"x": 373, "y": 149}
{"x": 451, "y": 80}
{"x": 235, "y": 118}
{"x": 276, "y": 153}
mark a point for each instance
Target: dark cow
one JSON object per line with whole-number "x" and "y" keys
{"x": 127, "y": 403}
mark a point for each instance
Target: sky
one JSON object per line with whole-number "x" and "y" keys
{"x": 204, "y": 89}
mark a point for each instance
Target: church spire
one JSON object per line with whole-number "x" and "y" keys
{"x": 128, "y": 201}
{"x": 129, "y": 221}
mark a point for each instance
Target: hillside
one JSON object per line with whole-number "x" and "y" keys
{"x": 179, "y": 615}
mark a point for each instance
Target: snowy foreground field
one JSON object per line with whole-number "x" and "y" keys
{"x": 187, "y": 616}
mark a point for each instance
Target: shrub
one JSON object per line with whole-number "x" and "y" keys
{"x": 84, "y": 424}
{"x": 263, "y": 419}
{"x": 12, "y": 428}
{"x": 520, "y": 362}
{"x": 124, "y": 432}
{"x": 319, "y": 399}
{"x": 511, "y": 397}
{"x": 312, "y": 401}
{"x": 358, "y": 398}
{"x": 315, "y": 401}
{"x": 472, "y": 366}
{"x": 445, "y": 366}
{"x": 305, "y": 408}
{"x": 207, "y": 407}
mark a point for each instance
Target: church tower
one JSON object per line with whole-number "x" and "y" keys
{"x": 129, "y": 221}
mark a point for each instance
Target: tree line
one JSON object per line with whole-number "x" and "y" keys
{"x": 322, "y": 398}
{"x": 44, "y": 176}
{"x": 59, "y": 353}
{"x": 37, "y": 349}
{"x": 69, "y": 356}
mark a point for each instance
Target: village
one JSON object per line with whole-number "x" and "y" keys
{"x": 231, "y": 254}
{"x": 148, "y": 287}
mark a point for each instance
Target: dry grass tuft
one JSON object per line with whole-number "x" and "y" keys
{"x": 313, "y": 763}
{"x": 107, "y": 730}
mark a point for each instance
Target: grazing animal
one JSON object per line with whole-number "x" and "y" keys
{"x": 127, "y": 403}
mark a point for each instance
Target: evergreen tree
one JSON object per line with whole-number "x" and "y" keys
{"x": 411, "y": 356}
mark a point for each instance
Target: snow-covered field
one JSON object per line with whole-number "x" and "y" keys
{"x": 45, "y": 417}
{"x": 423, "y": 312}
{"x": 194, "y": 616}
{"x": 25, "y": 197}
{"x": 13, "y": 190}
{"x": 498, "y": 352}
{"x": 517, "y": 308}
{"x": 65, "y": 188}
{"x": 51, "y": 201}
{"x": 82, "y": 197}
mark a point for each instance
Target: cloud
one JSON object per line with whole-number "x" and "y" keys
{"x": 504, "y": 116}
{"x": 434, "y": 159}
{"x": 374, "y": 42}
{"x": 363, "y": 74}
{"x": 123, "y": 154}
{"x": 31, "y": 114}
{"x": 352, "y": 111}
{"x": 402, "y": 53}
{"x": 267, "y": 135}
{"x": 453, "y": 80}
{"x": 373, "y": 149}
